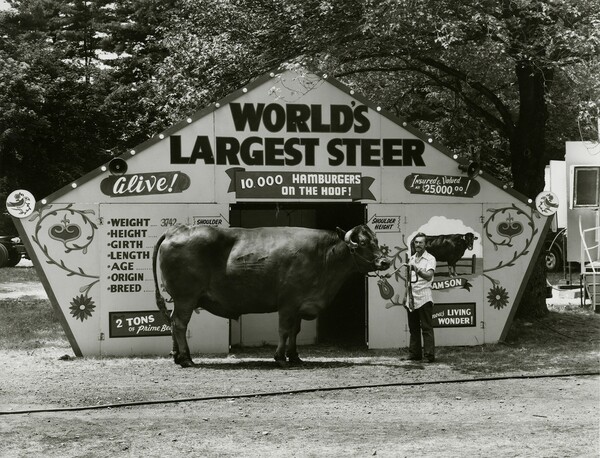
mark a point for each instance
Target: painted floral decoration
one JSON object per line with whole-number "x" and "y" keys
{"x": 498, "y": 297}
{"x": 385, "y": 289}
{"x": 385, "y": 250}
{"x": 82, "y": 307}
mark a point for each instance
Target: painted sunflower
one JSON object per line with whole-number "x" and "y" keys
{"x": 498, "y": 297}
{"x": 82, "y": 307}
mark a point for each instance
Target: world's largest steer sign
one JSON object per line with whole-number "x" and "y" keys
{"x": 299, "y": 119}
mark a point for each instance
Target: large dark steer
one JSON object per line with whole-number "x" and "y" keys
{"x": 449, "y": 248}
{"x": 232, "y": 271}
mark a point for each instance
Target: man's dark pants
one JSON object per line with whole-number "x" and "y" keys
{"x": 421, "y": 322}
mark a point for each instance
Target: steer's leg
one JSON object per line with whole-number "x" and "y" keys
{"x": 180, "y": 319}
{"x": 175, "y": 351}
{"x": 286, "y": 324}
{"x": 292, "y": 350}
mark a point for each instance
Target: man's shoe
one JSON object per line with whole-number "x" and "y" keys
{"x": 431, "y": 359}
{"x": 414, "y": 358}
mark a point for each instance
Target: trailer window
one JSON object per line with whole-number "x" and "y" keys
{"x": 586, "y": 189}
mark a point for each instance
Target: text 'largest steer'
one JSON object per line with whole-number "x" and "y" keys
{"x": 232, "y": 271}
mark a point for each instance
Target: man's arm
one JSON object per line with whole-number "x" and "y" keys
{"x": 425, "y": 274}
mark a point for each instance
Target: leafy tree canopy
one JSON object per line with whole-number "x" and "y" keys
{"x": 451, "y": 67}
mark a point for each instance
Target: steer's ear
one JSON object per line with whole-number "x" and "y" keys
{"x": 340, "y": 232}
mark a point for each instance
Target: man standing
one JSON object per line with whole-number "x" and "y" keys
{"x": 420, "y": 319}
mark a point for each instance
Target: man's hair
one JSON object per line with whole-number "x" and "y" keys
{"x": 419, "y": 234}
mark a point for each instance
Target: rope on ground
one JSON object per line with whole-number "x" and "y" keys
{"x": 298, "y": 391}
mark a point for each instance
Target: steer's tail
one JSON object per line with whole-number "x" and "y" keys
{"x": 160, "y": 302}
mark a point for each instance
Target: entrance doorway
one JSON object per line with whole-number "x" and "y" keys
{"x": 344, "y": 321}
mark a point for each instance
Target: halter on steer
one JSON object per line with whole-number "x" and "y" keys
{"x": 352, "y": 246}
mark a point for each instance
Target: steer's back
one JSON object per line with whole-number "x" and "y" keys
{"x": 232, "y": 271}
{"x": 446, "y": 248}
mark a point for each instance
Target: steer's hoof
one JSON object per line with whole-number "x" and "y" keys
{"x": 295, "y": 360}
{"x": 281, "y": 361}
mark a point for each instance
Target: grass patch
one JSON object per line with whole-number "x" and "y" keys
{"x": 566, "y": 340}
{"x": 26, "y": 324}
{"x": 18, "y": 274}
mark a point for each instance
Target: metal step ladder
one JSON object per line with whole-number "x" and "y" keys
{"x": 591, "y": 286}
{"x": 590, "y": 267}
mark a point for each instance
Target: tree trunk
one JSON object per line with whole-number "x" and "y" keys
{"x": 528, "y": 161}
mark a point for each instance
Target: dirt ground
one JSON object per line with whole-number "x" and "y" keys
{"x": 375, "y": 405}
{"x": 554, "y": 416}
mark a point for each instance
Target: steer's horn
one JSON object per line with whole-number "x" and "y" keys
{"x": 348, "y": 239}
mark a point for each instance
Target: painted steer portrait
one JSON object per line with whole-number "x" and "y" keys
{"x": 233, "y": 271}
{"x": 449, "y": 248}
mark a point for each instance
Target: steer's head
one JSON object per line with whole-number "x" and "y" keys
{"x": 469, "y": 238}
{"x": 363, "y": 245}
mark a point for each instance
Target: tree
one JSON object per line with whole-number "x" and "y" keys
{"x": 73, "y": 88}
